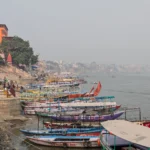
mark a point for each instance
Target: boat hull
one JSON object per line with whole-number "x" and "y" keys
{"x": 66, "y": 144}
{"x": 87, "y": 118}
{"x": 64, "y": 132}
{"x": 49, "y": 125}
{"x": 39, "y": 111}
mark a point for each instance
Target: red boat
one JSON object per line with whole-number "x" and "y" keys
{"x": 85, "y": 134}
{"x": 90, "y": 94}
{"x": 144, "y": 123}
{"x": 78, "y": 125}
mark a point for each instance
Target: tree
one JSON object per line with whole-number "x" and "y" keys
{"x": 20, "y": 50}
{"x": 1, "y": 61}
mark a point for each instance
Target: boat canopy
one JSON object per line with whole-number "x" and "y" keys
{"x": 105, "y": 97}
{"x": 129, "y": 131}
{"x": 68, "y": 80}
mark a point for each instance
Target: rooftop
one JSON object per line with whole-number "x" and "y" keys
{"x": 3, "y": 25}
{"x": 9, "y": 38}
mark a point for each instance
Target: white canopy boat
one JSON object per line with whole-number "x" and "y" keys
{"x": 125, "y": 133}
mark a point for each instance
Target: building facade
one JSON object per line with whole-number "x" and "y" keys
{"x": 3, "y": 31}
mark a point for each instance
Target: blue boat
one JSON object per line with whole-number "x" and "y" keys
{"x": 71, "y": 131}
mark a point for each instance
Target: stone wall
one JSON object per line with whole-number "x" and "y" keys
{"x": 26, "y": 81}
{"x": 10, "y": 106}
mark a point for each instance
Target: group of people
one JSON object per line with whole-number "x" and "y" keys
{"x": 10, "y": 87}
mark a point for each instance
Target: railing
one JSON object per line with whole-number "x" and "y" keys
{"x": 103, "y": 144}
{"x": 131, "y": 110}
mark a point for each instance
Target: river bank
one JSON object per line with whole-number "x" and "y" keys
{"x": 20, "y": 142}
{"x": 5, "y": 140}
{"x": 10, "y": 119}
{"x": 6, "y": 133}
{"x": 10, "y": 109}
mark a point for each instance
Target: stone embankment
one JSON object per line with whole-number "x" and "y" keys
{"x": 10, "y": 117}
{"x": 10, "y": 109}
{"x": 10, "y": 106}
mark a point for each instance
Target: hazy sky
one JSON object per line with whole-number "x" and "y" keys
{"x": 105, "y": 31}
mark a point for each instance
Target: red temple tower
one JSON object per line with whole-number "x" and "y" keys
{"x": 9, "y": 59}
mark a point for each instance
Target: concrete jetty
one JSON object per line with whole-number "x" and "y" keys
{"x": 10, "y": 109}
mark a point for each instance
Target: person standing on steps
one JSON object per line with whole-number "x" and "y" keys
{"x": 12, "y": 88}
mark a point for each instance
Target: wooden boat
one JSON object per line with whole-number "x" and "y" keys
{"x": 65, "y": 132}
{"x": 95, "y": 118}
{"x": 119, "y": 141}
{"x": 63, "y": 84}
{"x": 144, "y": 123}
{"x": 45, "y": 104}
{"x": 32, "y": 107}
{"x": 90, "y": 94}
{"x": 66, "y": 141}
{"x": 73, "y": 108}
{"x": 81, "y": 81}
{"x": 93, "y": 98}
{"x": 49, "y": 125}
{"x": 40, "y": 111}
{"x": 84, "y": 104}
{"x": 102, "y": 111}
{"x": 54, "y": 102}
{"x": 75, "y": 104}
{"x": 62, "y": 112}
{"x": 73, "y": 111}
{"x": 124, "y": 133}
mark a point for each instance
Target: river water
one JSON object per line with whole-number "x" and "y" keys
{"x": 131, "y": 90}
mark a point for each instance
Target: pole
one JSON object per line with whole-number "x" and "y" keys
{"x": 51, "y": 124}
{"x": 103, "y": 147}
{"x": 130, "y": 146}
{"x": 83, "y": 119}
{"x": 125, "y": 114}
{"x": 38, "y": 122}
{"x": 114, "y": 142}
{"x": 99, "y": 120}
{"x": 106, "y": 135}
{"x": 140, "y": 114}
{"x": 43, "y": 122}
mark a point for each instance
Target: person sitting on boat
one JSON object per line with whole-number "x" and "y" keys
{"x": 45, "y": 96}
{"x": 21, "y": 89}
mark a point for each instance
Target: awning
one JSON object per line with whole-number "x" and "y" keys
{"x": 129, "y": 131}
